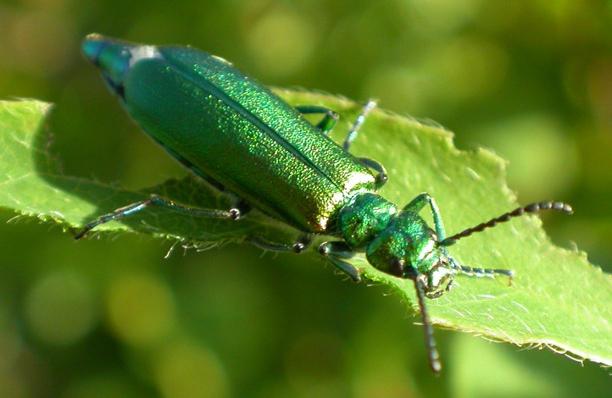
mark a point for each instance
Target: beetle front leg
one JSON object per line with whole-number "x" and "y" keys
{"x": 336, "y": 252}
{"x": 155, "y": 201}
{"x": 417, "y": 204}
{"x": 430, "y": 342}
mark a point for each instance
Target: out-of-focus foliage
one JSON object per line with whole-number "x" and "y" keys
{"x": 531, "y": 79}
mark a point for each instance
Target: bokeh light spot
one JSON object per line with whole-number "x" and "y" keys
{"x": 313, "y": 363}
{"x": 41, "y": 42}
{"x": 444, "y": 16}
{"x": 281, "y": 43}
{"x": 186, "y": 370}
{"x": 60, "y": 308}
{"x": 140, "y": 309}
{"x": 466, "y": 68}
{"x": 399, "y": 88}
{"x": 543, "y": 161}
{"x": 101, "y": 385}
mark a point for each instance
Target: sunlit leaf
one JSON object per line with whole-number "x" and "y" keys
{"x": 557, "y": 300}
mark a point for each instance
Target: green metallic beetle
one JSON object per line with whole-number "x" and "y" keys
{"x": 244, "y": 140}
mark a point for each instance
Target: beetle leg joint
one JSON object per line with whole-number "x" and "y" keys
{"x": 234, "y": 213}
{"x": 298, "y": 247}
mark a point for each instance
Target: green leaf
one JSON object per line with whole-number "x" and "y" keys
{"x": 558, "y": 300}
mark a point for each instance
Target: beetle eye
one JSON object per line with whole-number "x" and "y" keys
{"x": 400, "y": 269}
{"x": 397, "y": 267}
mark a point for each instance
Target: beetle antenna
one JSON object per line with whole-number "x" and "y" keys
{"x": 482, "y": 272}
{"x": 430, "y": 342}
{"x": 531, "y": 208}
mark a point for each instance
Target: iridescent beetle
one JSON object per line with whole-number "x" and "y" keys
{"x": 244, "y": 140}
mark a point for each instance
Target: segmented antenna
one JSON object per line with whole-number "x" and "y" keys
{"x": 486, "y": 272}
{"x": 531, "y": 208}
{"x": 430, "y": 342}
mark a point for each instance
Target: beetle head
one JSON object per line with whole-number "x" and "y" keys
{"x": 408, "y": 248}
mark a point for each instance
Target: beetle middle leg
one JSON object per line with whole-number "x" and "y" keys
{"x": 381, "y": 176}
{"x": 233, "y": 213}
{"x": 329, "y": 119}
{"x": 301, "y": 244}
{"x": 354, "y": 131}
{"x": 336, "y": 252}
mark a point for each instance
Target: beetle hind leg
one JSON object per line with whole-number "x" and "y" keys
{"x": 329, "y": 119}
{"x": 233, "y": 213}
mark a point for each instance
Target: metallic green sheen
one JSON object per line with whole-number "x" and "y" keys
{"x": 365, "y": 216}
{"x": 111, "y": 56}
{"x": 229, "y": 128}
{"x": 407, "y": 237}
{"x": 239, "y": 136}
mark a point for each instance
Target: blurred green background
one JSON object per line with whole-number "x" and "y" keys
{"x": 112, "y": 318}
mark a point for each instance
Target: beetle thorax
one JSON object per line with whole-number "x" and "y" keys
{"x": 407, "y": 247}
{"x": 364, "y": 217}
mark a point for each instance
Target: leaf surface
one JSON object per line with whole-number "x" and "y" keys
{"x": 557, "y": 300}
